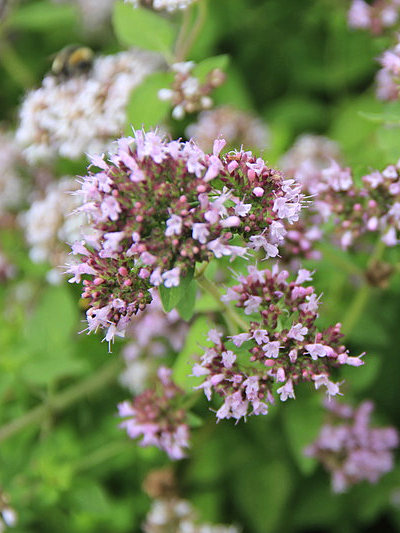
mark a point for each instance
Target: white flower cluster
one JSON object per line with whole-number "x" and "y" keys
{"x": 178, "y": 515}
{"x": 50, "y": 223}
{"x": 11, "y": 186}
{"x": 235, "y": 126}
{"x": 80, "y": 115}
{"x": 168, "y": 5}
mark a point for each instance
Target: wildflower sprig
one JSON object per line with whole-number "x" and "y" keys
{"x": 281, "y": 347}
{"x": 156, "y": 208}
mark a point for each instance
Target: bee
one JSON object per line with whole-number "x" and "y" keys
{"x": 72, "y": 60}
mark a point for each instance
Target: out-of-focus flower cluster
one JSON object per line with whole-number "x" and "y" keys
{"x": 155, "y": 213}
{"x": 351, "y": 449}
{"x": 388, "y": 77}
{"x": 11, "y": 184}
{"x": 235, "y": 126}
{"x": 357, "y": 210}
{"x": 50, "y": 223}
{"x": 305, "y": 161}
{"x": 168, "y": 5}
{"x": 178, "y": 515}
{"x": 152, "y": 334}
{"x": 158, "y": 416}
{"x": 188, "y": 94}
{"x": 376, "y": 16}
{"x": 82, "y": 114}
{"x": 8, "y": 517}
{"x": 281, "y": 348}
{"x": 7, "y": 269}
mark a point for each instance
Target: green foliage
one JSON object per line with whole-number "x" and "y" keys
{"x": 171, "y": 297}
{"x": 143, "y": 28}
{"x": 72, "y": 469}
{"x": 144, "y": 108}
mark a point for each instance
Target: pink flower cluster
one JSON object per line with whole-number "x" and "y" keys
{"x": 388, "y": 77}
{"x": 157, "y": 207}
{"x": 281, "y": 348}
{"x": 357, "y": 210}
{"x": 351, "y": 449}
{"x": 377, "y": 16}
{"x": 157, "y": 416}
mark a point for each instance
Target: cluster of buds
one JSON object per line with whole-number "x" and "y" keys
{"x": 375, "y": 17}
{"x": 178, "y": 515}
{"x": 281, "y": 348}
{"x": 157, "y": 416}
{"x": 350, "y": 449}
{"x": 152, "y": 334}
{"x": 388, "y": 77}
{"x": 8, "y": 517}
{"x": 373, "y": 207}
{"x": 188, "y": 94}
{"x": 154, "y": 213}
{"x": 235, "y": 126}
{"x": 159, "y": 5}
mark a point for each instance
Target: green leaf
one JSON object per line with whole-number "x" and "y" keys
{"x": 170, "y": 298}
{"x": 194, "y": 345}
{"x": 186, "y": 306}
{"x": 42, "y": 16}
{"x": 144, "y": 108}
{"x": 53, "y": 322}
{"x": 203, "y": 68}
{"x": 143, "y": 28}
{"x": 302, "y": 421}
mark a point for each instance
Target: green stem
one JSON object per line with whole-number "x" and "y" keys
{"x": 64, "y": 399}
{"x": 356, "y": 308}
{"x": 179, "y": 45}
{"x": 362, "y": 296}
{"x": 230, "y": 315}
{"x": 186, "y": 44}
{"x": 15, "y": 68}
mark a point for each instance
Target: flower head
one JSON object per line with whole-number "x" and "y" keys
{"x": 282, "y": 346}
{"x": 155, "y": 213}
{"x": 156, "y": 416}
{"x": 351, "y": 449}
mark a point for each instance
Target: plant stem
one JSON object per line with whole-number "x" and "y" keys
{"x": 179, "y": 46}
{"x": 15, "y": 68}
{"x": 362, "y": 296}
{"x": 231, "y": 315}
{"x": 64, "y": 399}
{"x": 185, "y": 44}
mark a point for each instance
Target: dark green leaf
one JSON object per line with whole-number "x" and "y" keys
{"x": 186, "y": 306}
{"x": 170, "y": 298}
